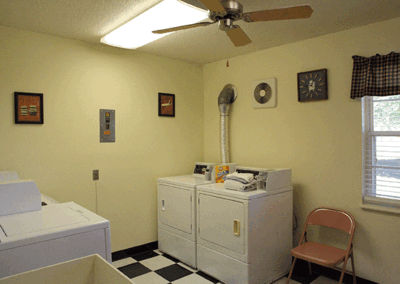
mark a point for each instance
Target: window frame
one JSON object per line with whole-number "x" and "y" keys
{"x": 369, "y": 146}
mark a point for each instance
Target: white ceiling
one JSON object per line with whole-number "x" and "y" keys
{"x": 89, "y": 20}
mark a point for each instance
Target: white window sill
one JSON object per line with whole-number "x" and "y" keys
{"x": 380, "y": 208}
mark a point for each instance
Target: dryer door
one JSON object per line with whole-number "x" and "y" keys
{"x": 175, "y": 207}
{"x": 222, "y": 222}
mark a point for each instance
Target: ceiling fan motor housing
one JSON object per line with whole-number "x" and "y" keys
{"x": 233, "y": 11}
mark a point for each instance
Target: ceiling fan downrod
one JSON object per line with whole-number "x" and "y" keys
{"x": 225, "y": 24}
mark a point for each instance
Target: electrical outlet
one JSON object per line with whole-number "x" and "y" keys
{"x": 95, "y": 174}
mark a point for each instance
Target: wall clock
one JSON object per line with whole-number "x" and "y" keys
{"x": 166, "y": 104}
{"x": 312, "y": 85}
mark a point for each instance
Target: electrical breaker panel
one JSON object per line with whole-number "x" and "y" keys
{"x": 107, "y": 125}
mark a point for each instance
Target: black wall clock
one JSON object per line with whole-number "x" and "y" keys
{"x": 312, "y": 85}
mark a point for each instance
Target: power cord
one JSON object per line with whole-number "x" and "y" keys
{"x": 295, "y": 224}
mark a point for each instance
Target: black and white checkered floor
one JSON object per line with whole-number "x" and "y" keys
{"x": 155, "y": 267}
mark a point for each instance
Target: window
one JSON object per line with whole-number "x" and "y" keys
{"x": 381, "y": 150}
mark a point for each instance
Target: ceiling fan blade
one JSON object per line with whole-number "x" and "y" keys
{"x": 174, "y": 29}
{"x": 285, "y": 13}
{"x": 238, "y": 37}
{"x": 213, "y": 5}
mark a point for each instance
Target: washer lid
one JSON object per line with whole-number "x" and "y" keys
{"x": 187, "y": 180}
{"x": 51, "y": 218}
{"x": 52, "y": 222}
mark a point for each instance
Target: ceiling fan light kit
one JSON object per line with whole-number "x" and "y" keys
{"x": 226, "y": 12}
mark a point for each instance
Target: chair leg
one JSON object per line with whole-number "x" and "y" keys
{"x": 344, "y": 268}
{"x": 309, "y": 268}
{"x": 353, "y": 269}
{"x": 291, "y": 271}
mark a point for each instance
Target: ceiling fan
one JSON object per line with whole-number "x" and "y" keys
{"x": 226, "y": 12}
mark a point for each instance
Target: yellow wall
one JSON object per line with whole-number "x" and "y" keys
{"x": 319, "y": 141}
{"x": 77, "y": 79}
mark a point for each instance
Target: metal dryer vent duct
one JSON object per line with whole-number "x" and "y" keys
{"x": 226, "y": 98}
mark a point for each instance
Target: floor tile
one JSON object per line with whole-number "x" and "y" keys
{"x": 208, "y": 277}
{"x": 171, "y": 258}
{"x": 173, "y": 272}
{"x": 123, "y": 262}
{"x": 134, "y": 270}
{"x": 157, "y": 262}
{"x": 187, "y": 267}
{"x": 150, "y": 277}
{"x": 144, "y": 255}
{"x": 334, "y": 274}
{"x": 283, "y": 281}
{"x": 324, "y": 280}
{"x": 305, "y": 278}
{"x": 192, "y": 279}
{"x": 155, "y": 267}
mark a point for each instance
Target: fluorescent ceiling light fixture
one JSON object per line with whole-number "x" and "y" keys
{"x": 167, "y": 14}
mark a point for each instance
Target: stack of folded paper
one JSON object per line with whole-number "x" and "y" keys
{"x": 240, "y": 182}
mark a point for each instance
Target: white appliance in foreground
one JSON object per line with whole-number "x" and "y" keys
{"x": 19, "y": 196}
{"x": 47, "y": 200}
{"x": 54, "y": 234}
{"x": 177, "y": 213}
{"x": 6, "y": 176}
{"x": 246, "y": 237}
{"x": 37, "y": 231}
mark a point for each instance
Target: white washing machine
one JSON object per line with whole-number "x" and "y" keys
{"x": 177, "y": 213}
{"x": 246, "y": 237}
{"x": 47, "y": 200}
{"x": 34, "y": 236}
{"x": 12, "y": 175}
{"x": 54, "y": 234}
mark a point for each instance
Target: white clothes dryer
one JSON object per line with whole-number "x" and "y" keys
{"x": 177, "y": 213}
{"x": 246, "y": 237}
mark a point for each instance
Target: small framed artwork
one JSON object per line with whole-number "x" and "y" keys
{"x": 312, "y": 85}
{"x": 166, "y": 104}
{"x": 28, "y": 108}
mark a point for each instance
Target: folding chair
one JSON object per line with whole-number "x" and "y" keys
{"x": 322, "y": 254}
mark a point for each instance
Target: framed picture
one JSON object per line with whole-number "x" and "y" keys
{"x": 28, "y": 108}
{"x": 166, "y": 104}
{"x": 312, "y": 85}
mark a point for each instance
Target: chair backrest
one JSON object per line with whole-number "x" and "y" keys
{"x": 332, "y": 218}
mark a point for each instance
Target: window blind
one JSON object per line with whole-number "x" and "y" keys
{"x": 381, "y": 150}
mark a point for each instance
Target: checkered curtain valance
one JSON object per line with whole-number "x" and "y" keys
{"x": 378, "y": 75}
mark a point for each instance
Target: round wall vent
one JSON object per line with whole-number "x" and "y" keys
{"x": 264, "y": 93}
